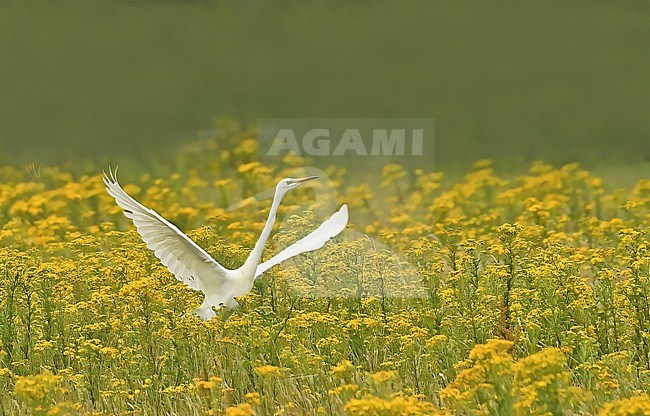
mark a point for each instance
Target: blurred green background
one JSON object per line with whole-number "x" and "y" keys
{"x": 517, "y": 82}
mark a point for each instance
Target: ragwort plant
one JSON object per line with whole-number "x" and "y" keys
{"x": 531, "y": 295}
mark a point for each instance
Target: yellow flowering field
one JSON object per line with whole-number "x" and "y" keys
{"x": 481, "y": 296}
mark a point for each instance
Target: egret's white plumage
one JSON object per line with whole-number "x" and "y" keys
{"x": 312, "y": 241}
{"x": 196, "y": 268}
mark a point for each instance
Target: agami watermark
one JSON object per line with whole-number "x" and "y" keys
{"x": 407, "y": 137}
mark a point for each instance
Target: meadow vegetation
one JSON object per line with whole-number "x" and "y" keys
{"x": 531, "y": 297}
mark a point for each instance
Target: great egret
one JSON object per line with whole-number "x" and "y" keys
{"x": 196, "y": 268}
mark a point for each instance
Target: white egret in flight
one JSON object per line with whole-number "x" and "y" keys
{"x": 196, "y": 268}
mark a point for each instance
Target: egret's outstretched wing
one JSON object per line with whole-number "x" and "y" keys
{"x": 312, "y": 241}
{"x": 182, "y": 256}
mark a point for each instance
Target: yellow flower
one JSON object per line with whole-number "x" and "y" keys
{"x": 391, "y": 173}
{"x": 375, "y": 406}
{"x": 248, "y": 167}
{"x": 64, "y": 409}
{"x": 344, "y": 389}
{"x": 383, "y": 377}
{"x": 253, "y": 399}
{"x": 243, "y": 409}
{"x": 632, "y": 406}
{"x": 36, "y": 388}
{"x": 268, "y": 371}
{"x": 342, "y": 369}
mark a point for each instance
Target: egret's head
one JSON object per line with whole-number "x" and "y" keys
{"x": 287, "y": 184}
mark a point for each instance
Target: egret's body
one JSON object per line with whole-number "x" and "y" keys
{"x": 196, "y": 268}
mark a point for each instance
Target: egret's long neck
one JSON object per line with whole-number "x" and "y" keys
{"x": 256, "y": 255}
